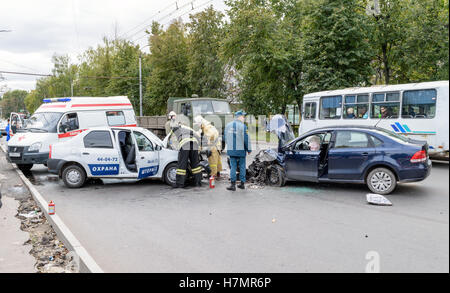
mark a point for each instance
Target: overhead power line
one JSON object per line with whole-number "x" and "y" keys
{"x": 24, "y": 73}
{"x": 181, "y": 7}
{"x": 190, "y": 3}
{"x": 80, "y": 77}
{"x": 148, "y": 19}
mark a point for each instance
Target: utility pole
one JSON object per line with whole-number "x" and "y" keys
{"x": 140, "y": 84}
{"x": 140, "y": 81}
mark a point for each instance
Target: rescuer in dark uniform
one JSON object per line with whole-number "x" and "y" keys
{"x": 188, "y": 143}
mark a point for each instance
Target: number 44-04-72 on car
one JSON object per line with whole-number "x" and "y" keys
{"x": 348, "y": 154}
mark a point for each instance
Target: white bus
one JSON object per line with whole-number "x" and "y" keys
{"x": 416, "y": 110}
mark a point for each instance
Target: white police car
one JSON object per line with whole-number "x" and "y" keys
{"x": 123, "y": 153}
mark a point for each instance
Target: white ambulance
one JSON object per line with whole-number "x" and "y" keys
{"x": 59, "y": 119}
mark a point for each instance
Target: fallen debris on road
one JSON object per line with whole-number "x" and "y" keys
{"x": 377, "y": 199}
{"x": 50, "y": 253}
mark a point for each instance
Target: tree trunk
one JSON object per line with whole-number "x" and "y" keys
{"x": 385, "y": 63}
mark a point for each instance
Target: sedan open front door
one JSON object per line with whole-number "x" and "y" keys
{"x": 302, "y": 159}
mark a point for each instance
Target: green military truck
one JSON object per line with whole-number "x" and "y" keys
{"x": 217, "y": 111}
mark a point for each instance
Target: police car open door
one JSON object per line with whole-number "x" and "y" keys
{"x": 147, "y": 157}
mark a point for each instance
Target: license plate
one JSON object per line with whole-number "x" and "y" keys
{"x": 14, "y": 155}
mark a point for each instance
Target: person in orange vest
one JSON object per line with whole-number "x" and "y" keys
{"x": 213, "y": 144}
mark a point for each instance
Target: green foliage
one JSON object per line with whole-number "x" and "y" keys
{"x": 264, "y": 44}
{"x": 13, "y": 101}
{"x": 205, "y": 69}
{"x": 267, "y": 55}
{"x": 169, "y": 62}
{"x": 337, "y": 51}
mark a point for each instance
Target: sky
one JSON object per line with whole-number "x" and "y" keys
{"x": 40, "y": 29}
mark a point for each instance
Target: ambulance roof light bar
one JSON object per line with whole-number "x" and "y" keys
{"x": 57, "y": 100}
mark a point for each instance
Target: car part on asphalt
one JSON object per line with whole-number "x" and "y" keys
{"x": 377, "y": 199}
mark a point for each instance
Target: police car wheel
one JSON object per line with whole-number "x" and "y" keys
{"x": 73, "y": 176}
{"x": 170, "y": 174}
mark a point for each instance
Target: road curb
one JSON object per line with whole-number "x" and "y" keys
{"x": 87, "y": 263}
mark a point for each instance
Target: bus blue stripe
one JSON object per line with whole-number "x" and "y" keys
{"x": 407, "y": 128}
{"x": 395, "y": 128}
{"x": 400, "y": 127}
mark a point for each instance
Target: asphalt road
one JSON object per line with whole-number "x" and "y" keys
{"x": 148, "y": 227}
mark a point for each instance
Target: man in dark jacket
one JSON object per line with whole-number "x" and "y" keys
{"x": 238, "y": 146}
{"x": 188, "y": 143}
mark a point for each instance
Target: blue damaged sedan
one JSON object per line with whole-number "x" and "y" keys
{"x": 350, "y": 154}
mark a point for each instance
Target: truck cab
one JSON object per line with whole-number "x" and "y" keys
{"x": 216, "y": 111}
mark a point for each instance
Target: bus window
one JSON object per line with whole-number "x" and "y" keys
{"x": 310, "y": 110}
{"x": 385, "y": 105}
{"x": 419, "y": 104}
{"x": 330, "y": 107}
{"x": 356, "y": 107}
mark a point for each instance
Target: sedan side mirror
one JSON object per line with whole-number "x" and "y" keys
{"x": 158, "y": 147}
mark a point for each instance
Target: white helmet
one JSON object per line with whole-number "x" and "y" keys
{"x": 171, "y": 114}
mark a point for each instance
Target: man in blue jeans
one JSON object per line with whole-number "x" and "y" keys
{"x": 238, "y": 146}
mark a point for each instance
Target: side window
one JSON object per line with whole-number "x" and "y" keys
{"x": 419, "y": 104}
{"x": 351, "y": 139}
{"x": 68, "y": 123}
{"x": 310, "y": 110}
{"x": 331, "y": 107}
{"x": 115, "y": 118}
{"x": 186, "y": 109}
{"x": 356, "y": 107}
{"x": 98, "y": 139}
{"x": 376, "y": 141}
{"x": 385, "y": 105}
{"x": 143, "y": 143}
{"x": 310, "y": 143}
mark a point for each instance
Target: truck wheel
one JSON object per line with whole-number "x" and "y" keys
{"x": 73, "y": 176}
{"x": 277, "y": 176}
{"x": 170, "y": 174}
{"x": 25, "y": 167}
{"x": 381, "y": 181}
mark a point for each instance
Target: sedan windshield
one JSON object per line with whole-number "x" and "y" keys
{"x": 43, "y": 122}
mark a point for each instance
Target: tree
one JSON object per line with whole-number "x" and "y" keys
{"x": 263, "y": 42}
{"x": 13, "y": 101}
{"x": 169, "y": 67}
{"x": 205, "y": 69}
{"x": 125, "y": 72}
{"x": 423, "y": 54}
{"x": 337, "y": 50}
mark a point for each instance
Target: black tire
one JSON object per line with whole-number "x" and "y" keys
{"x": 170, "y": 174}
{"x": 25, "y": 167}
{"x": 381, "y": 181}
{"x": 73, "y": 176}
{"x": 276, "y": 176}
